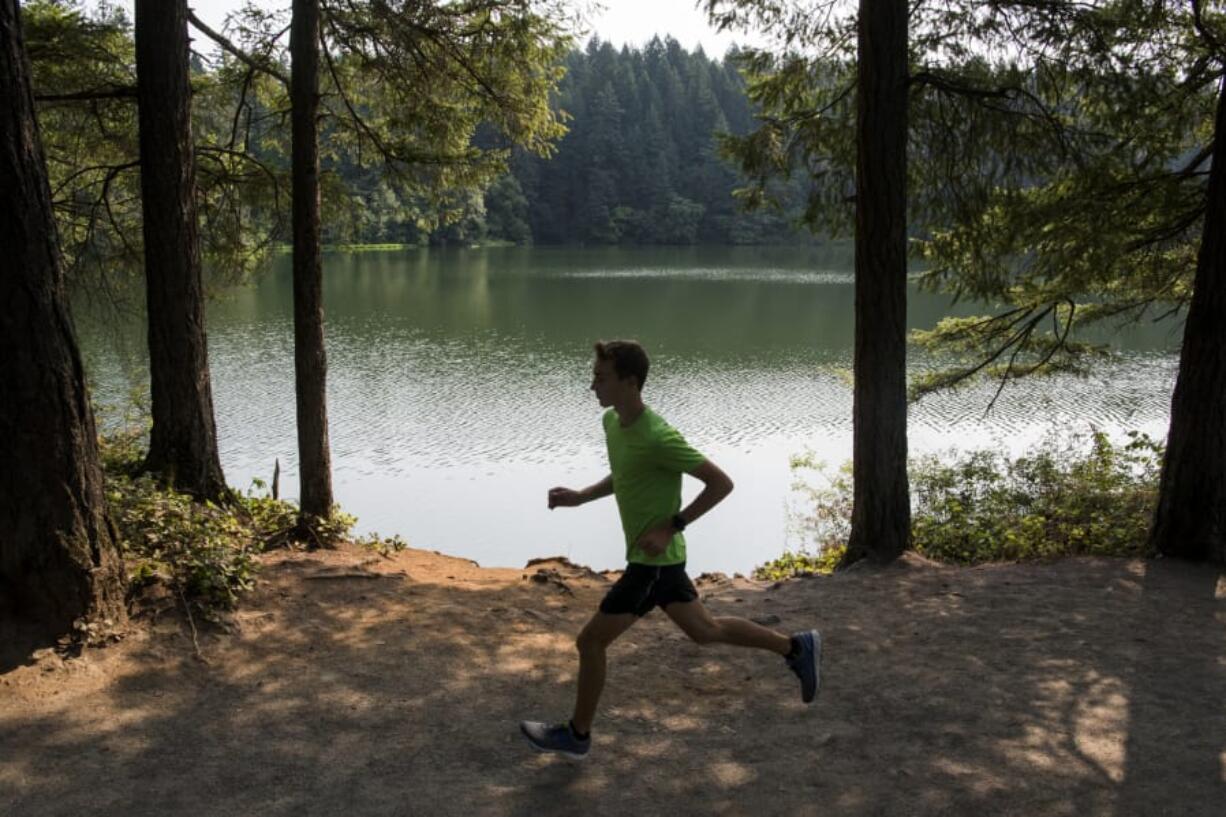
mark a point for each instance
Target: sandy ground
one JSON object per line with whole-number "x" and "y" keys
{"x": 351, "y": 684}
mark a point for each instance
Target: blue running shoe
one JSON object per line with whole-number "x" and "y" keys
{"x": 558, "y": 738}
{"x": 807, "y": 663}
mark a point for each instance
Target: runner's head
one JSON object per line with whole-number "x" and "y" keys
{"x": 619, "y": 372}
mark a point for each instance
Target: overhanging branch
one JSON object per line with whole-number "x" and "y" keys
{"x": 113, "y": 92}
{"x": 229, "y": 47}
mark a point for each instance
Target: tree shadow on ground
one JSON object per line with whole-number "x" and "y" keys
{"x": 1170, "y": 670}
{"x": 1004, "y": 690}
{"x": 20, "y": 641}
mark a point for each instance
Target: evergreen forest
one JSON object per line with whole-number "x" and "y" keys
{"x": 640, "y": 163}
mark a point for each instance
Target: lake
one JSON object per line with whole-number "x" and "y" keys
{"x": 458, "y": 387}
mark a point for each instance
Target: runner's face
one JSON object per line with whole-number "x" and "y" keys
{"x": 609, "y": 389}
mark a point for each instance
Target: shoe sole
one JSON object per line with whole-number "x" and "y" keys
{"x": 545, "y": 751}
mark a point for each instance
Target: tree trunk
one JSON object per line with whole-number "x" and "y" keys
{"x": 58, "y": 556}
{"x": 881, "y": 515}
{"x": 183, "y": 441}
{"x": 310, "y": 361}
{"x": 1190, "y": 521}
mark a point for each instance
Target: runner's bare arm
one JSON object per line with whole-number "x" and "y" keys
{"x": 567, "y": 498}
{"x": 717, "y": 485}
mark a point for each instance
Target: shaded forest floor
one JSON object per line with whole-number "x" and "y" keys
{"x": 350, "y": 683}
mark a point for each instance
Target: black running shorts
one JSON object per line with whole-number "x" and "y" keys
{"x": 644, "y": 587}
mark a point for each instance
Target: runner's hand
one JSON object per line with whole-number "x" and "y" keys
{"x": 655, "y": 541}
{"x": 564, "y": 498}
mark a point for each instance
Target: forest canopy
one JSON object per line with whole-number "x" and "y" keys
{"x": 635, "y": 156}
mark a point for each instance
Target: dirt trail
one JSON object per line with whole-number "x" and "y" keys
{"x": 351, "y": 684}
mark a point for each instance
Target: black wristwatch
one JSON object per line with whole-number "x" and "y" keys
{"x": 678, "y": 522}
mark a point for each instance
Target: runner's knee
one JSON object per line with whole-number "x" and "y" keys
{"x": 588, "y": 643}
{"x": 704, "y": 634}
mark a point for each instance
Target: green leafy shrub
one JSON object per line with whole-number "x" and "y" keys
{"x": 1069, "y": 495}
{"x": 1060, "y": 499}
{"x": 274, "y": 520}
{"x": 823, "y": 523}
{"x": 801, "y": 564}
{"x": 205, "y": 552}
{"x": 123, "y": 449}
{"x": 383, "y": 545}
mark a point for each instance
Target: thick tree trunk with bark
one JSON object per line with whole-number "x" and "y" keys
{"x": 183, "y": 441}
{"x": 881, "y": 516}
{"x": 58, "y": 556}
{"x": 310, "y": 361}
{"x": 1190, "y": 521}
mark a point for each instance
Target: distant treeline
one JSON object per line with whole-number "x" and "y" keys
{"x": 640, "y": 165}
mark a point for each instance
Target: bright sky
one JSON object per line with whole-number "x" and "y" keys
{"x": 634, "y": 22}
{"x": 631, "y": 22}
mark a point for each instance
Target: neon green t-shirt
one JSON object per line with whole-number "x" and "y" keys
{"x": 647, "y": 459}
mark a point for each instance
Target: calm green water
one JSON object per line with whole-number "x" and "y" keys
{"x": 458, "y": 387}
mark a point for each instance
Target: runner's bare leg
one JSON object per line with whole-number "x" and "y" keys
{"x": 601, "y": 631}
{"x": 698, "y": 623}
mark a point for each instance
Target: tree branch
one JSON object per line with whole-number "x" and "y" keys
{"x": 1057, "y": 346}
{"x": 1018, "y": 337}
{"x": 1199, "y": 21}
{"x": 112, "y": 171}
{"x": 228, "y": 46}
{"x": 113, "y": 92}
{"x": 1006, "y": 93}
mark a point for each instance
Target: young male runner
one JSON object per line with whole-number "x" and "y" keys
{"x": 647, "y": 458}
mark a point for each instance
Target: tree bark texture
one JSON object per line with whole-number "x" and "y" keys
{"x": 1190, "y": 520}
{"x": 881, "y": 515}
{"x": 59, "y": 559}
{"x": 183, "y": 440}
{"x": 310, "y": 360}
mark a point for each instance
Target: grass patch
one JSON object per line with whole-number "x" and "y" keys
{"x": 369, "y": 247}
{"x": 391, "y": 247}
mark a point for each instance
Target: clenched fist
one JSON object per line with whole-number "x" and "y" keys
{"x": 564, "y": 498}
